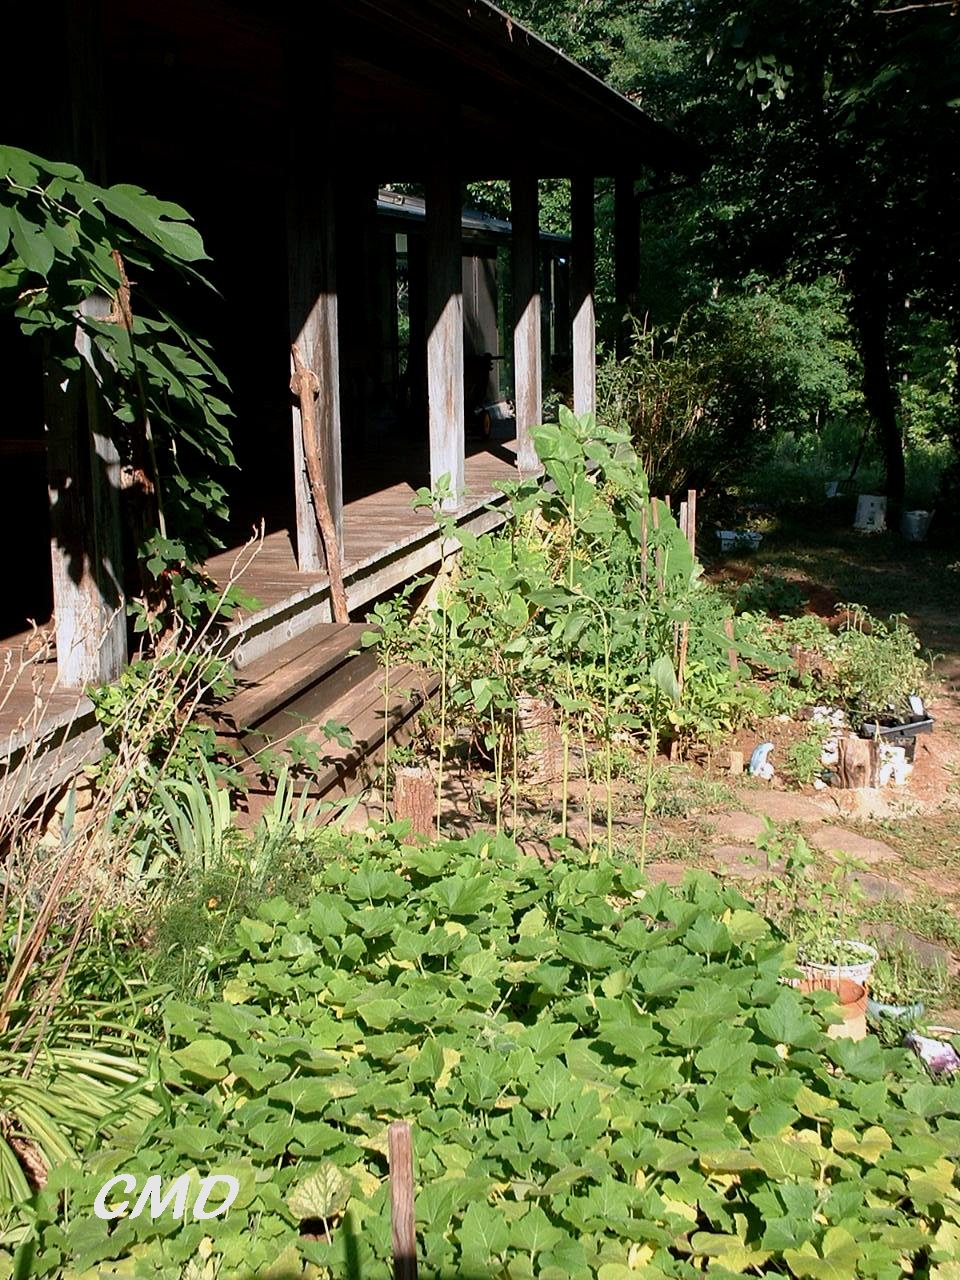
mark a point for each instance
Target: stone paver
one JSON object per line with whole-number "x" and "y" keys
{"x": 741, "y": 861}
{"x": 878, "y": 888}
{"x": 838, "y": 840}
{"x": 872, "y": 804}
{"x": 928, "y": 952}
{"x": 785, "y": 806}
{"x": 737, "y": 827}
{"x": 670, "y": 873}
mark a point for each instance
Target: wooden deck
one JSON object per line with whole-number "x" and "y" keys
{"x": 385, "y": 542}
{"x": 47, "y": 732}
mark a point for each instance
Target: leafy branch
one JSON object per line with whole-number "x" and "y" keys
{"x": 65, "y": 241}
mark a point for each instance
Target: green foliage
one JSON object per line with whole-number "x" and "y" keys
{"x": 603, "y": 1079}
{"x": 152, "y": 729}
{"x": 901, "y": 977}
{"x": 75, "y": 1073}
{"x": 582, "y": 596}
{"x": 801, "y": 760}
{"x": 703, "y": 398}
{"x": 65, "y": 240}
{"x": 867, "y": 666}
{"x": 768, "y": 592}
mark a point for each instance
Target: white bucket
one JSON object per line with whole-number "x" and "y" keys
{"x": 871, "y": 514}
{"x": 914, "y": 525}
{"x": 830, "y": 488}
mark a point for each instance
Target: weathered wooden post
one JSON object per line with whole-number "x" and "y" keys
{"x": 527, "y": 372}
{"x": 582, "y": 303}
{"x": 414, "y": 797}
{"x": 445, "y": 334}
{"x": 403, "y": 1221}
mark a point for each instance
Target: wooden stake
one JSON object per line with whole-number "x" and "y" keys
{"x": 692, "y": 520}
{"x": 684, "y": 529}
{"x": 658, "y": 554}
{"x": 304, "y": 384}
{"x": 682, "y": 662}
{"x": 643, "y": 547}
{"x": 731, "y": 652}
{"x": 400, "y": 1148}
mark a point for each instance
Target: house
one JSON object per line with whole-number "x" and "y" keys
{"x": 278, "y": 130}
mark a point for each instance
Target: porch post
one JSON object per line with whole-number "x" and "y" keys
{"x": 83, "y": 463}
{"x": 527, "y": 370}
{"x": 445, "y": 333}
{"x": 314, "y": 331}
{"x": 581, "y": 300}
{"x": 83, "y": 468}
{"x": 626, "y": 250}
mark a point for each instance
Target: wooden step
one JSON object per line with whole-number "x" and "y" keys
{"x": 291, "y": 672}
{"x": 344, "y": 769}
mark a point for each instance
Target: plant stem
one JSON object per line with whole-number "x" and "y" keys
{"x": 651, "y": 753}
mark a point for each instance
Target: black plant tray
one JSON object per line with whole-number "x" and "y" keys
{"x": 888, "y": 727}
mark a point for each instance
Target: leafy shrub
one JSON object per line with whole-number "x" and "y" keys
{"x": 768, "y": 592}
{"x": 867, "y": 665}
{"x": 801, "y": 760}
{"x": 604, "y": 1080}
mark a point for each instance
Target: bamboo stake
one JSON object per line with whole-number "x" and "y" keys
{"x": 400, "y": 1147}
{"x": 305, "y": 385}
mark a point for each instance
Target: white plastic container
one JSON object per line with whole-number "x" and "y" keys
{"x": 855, "y": 971}
{"x": 743, "y": 539}
{"x": 914, "y": 525}
{"x": 871, "y": 514}
{"x": 830, "y": 488}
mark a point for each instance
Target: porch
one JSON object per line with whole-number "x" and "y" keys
{"x": 280, "y": 135}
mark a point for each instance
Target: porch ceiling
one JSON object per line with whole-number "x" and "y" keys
{"x": 451, "y": 84}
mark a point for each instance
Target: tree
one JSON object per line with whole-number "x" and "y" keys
{"x": 833, "y": 130}
{"x": 831, "y": 126}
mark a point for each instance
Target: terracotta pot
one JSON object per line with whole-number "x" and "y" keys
{"x": 851, "y": 1003}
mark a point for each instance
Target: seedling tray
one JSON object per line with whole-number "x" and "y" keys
{"x": 887, "y": 727}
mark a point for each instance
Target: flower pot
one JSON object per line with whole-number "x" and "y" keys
{"x": 854, "y": 971}
{"x": 851, "y": 1003}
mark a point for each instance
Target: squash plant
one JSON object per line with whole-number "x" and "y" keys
{"x": 605, "y": 1080}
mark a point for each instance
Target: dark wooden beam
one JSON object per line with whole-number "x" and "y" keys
{"x": 626, "y": 260}
{"x": 445, "y": 333}
{"x": 581, "y": 296}
{"x": 527, "y": 371}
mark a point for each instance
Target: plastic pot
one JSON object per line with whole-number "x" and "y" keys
{"x": 857, "y": 971}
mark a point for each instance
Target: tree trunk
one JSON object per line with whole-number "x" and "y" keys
{"x": 871, "y": 306}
